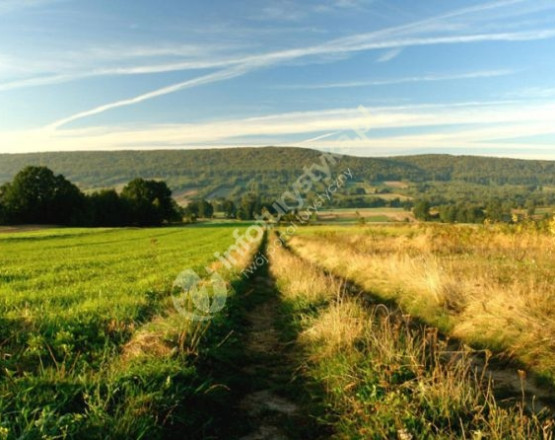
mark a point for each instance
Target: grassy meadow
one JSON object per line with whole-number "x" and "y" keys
{"x": 383, "y": 375}
{"x": 90, "y": 345}
{"x": 386, "y": 331}
{"x": 490, "y": 286}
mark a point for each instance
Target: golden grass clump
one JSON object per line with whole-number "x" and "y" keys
{"x": 298, "y": 279}
{"x": 337, "y": 328}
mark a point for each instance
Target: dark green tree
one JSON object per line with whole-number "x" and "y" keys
{"x": 422, "y": 210}
{"x": 230, "y": 211}
{"x": 36, "y": 195}
{"x": 199, "y": 209}
{"x": 530, "y": 206}
{"x": 250, "y": 207}
{"x": 106, "y": 208}
{"x": 448, "y": 213}
{"x": 3, "y": 213}
{"x": 205, "y": 209}
{"x": 494, "y": 210}
{"x": 150, "y": 202}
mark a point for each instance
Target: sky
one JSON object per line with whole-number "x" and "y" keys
{"x": 361, "y": 77}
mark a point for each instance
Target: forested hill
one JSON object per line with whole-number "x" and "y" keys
{"x": 99, "y": 168}
{"x": 181, "y": 168}
{"x": 482, "y": 170}
{"x": 230, "y": 172}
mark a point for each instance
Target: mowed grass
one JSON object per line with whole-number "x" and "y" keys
{"x": 93, "y": 286}
{"x": 71, "y": 300}
{"x": 492, "y": 286}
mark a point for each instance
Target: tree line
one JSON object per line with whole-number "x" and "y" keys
{"x": 468, "y": 212}
{"x": 442, "y": 179}
{"x": 249, "y": 207}
{"x": 36, "y": 195}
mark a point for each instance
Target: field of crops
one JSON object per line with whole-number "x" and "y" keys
{"x": 71, "y": 300}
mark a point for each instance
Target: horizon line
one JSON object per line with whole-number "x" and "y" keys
{"x": 315, "y": 149}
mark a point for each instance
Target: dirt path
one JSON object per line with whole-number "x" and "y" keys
{"x": 24, "y": 228}
{"x": 274, "y": 406}
{"x": 267, "y": 410}
{"x": 271, "y": 399}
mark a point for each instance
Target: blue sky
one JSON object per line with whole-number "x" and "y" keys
{"x": 364, "y": 77}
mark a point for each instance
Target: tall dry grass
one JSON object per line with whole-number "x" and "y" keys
{"x": 386, "y": 377}
{"x": 299, "y": 280}
{"x": 483, "y": 285}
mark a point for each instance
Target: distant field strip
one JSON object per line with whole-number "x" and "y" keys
{"x": 487, "y": 286}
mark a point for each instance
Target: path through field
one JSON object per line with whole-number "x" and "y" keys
{"x": 274, "y": 400}
{"x": 267, "y": 410}
{"x": 273, "y": 405}
{"x": 271, "y": 398}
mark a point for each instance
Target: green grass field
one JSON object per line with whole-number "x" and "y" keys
{"x": 70, "y": 301}
{"x": 91, "y": 345}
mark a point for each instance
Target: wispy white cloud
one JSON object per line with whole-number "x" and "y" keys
{"x": 466, "y": 126}
{"x": 206, "y": 79}
{"x": 462, "y": 141}
{"x": 38, "y": 81}
{"x": 350, "y": 3}
{"x": 336, "y": 46}
{"x": 319, "y": 138}
{"x": 410, "y": 79}
{"x": 117, "y": 71}
{"x": 370, "y": 42}
{"x": 335, "y": 6}
{"x": 69, "y": 65}
{"x": 441, "y": 29}
{"x": 280, "y": 10}
{"x": 389, "y": 55}
{"x": 534, "y": 93}
{"x": 431, "y": 31}
{"x": 9, "y": 6}
{"x": 288, "y": 10}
